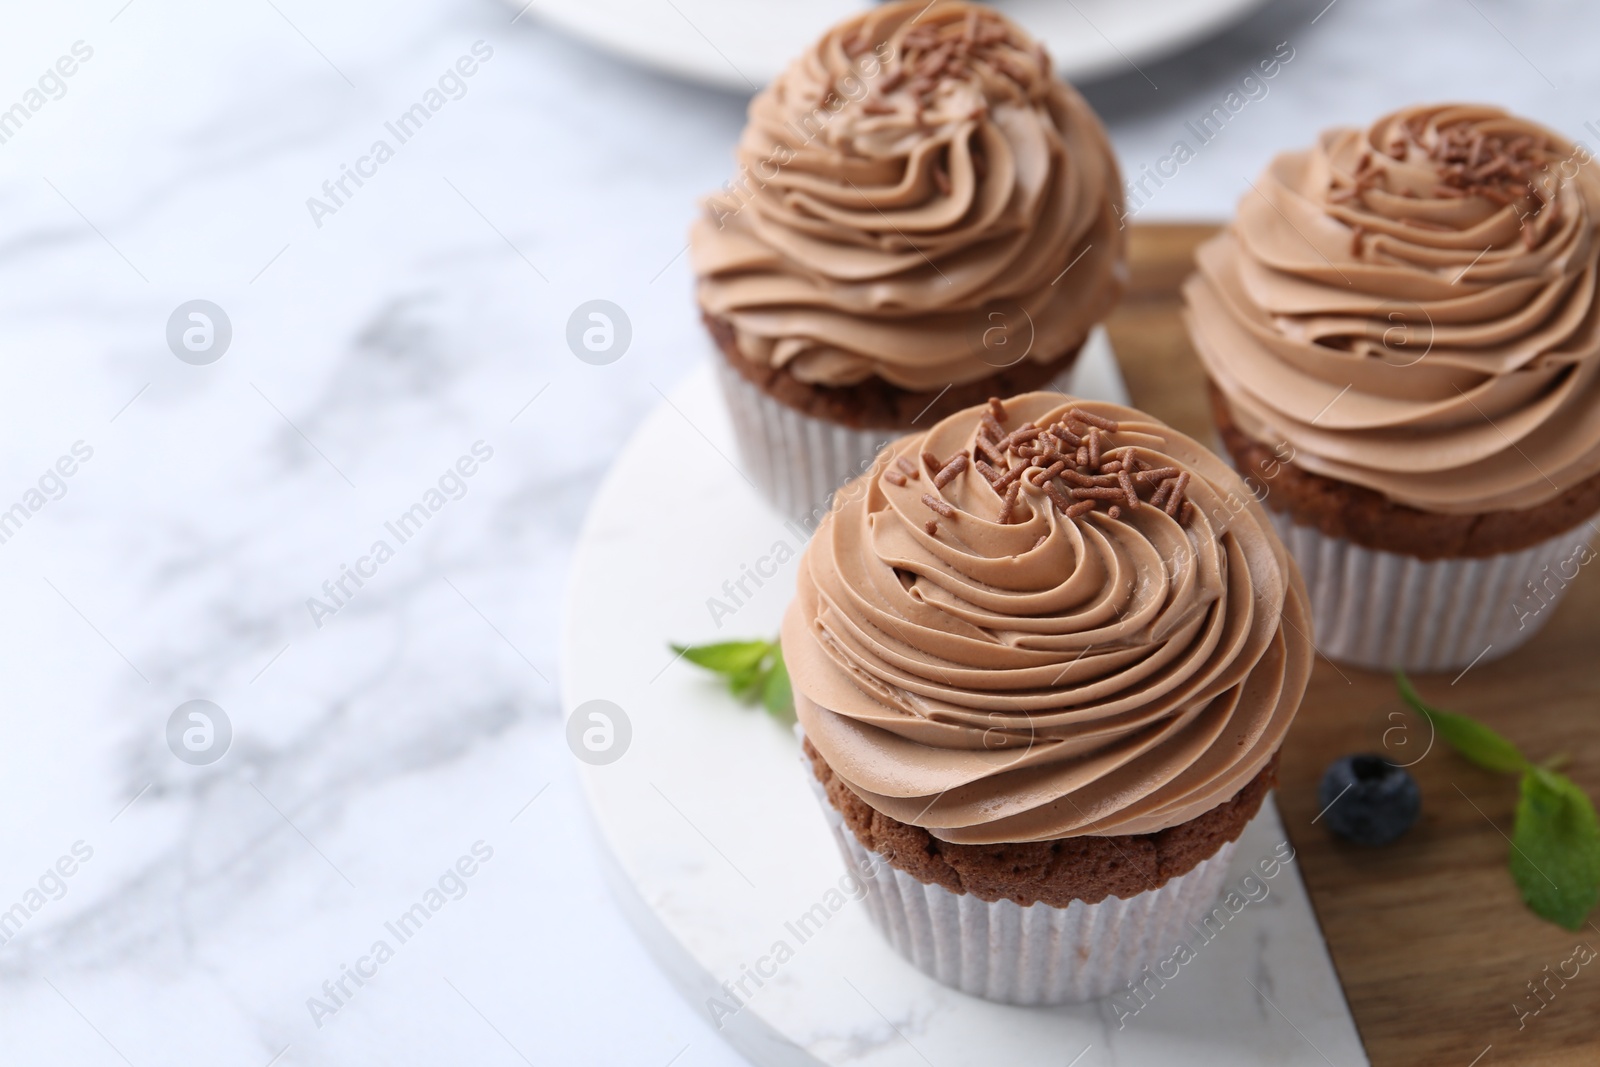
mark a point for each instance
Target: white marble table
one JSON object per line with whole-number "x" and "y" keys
{"x": 370, "y": 754}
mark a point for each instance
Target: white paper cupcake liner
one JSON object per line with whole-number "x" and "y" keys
{"x": 1383, "y": 610}
{"x": 796, "y": 460}
{"x": 1031, "y": 955}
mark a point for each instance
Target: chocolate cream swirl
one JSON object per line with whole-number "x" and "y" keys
{"x": 917, "y": 178}
{"x": 1411, "y": 308}
{"x": 1012, "y": 649}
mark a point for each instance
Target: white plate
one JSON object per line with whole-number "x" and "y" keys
{"x": 715, "y": 842}
{"x": 743, "y": 44}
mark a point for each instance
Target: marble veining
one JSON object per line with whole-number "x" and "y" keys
{"x": 369, "y": 353}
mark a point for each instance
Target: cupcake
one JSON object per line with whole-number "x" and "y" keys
{"x": 922, "y": 216}
{"x": 1403, "y": 340}
{"x": 1044, "y": 654}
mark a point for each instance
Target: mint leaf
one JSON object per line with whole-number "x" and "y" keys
{"x": 1472, "y": 739}
{"x": 727, "y": 657}
{"x": 1556, "y": 855}
{"x": 747, "y": 684}
{"x": 754, "y": 671}
{"x": 776, "y": 693}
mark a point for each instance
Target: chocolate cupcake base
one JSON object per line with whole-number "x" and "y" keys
{"x": 1367, "y": 518}
{"x": 799, "y": 442}
{"x": 1392, "y": 586}
{"x": 879, "y": 405}
{"x": 975, "y": 917}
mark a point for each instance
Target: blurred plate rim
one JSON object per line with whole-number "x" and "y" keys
{"x": 1088, "y": 39}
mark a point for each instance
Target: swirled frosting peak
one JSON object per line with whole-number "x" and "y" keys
{"x": 918, "y": 170}
{"x": 1045, "y": 619}
{"x": 1412, "y": 308}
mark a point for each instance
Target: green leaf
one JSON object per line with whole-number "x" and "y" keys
{"x": 776, "y": 693}
{"x": 1472, "y": 739}
{"x": 747, "y": 683}
{"x": 727, "y": 657}
{"x": 754, "y": 670}
{"x": 1555, "y": 853}
{"x": 1555, "y": 857}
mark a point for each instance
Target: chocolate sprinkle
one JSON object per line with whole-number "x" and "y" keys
{"x": 951, "y": 470}
{"x": 1125, "y": 480}
{"x": 1065, "y": 435}
{"x": 1011, "y": 475}
{"x": 1175, "y": 501}
{"x": 1046, "y": 473}
{"x": 1474, "y": 162}
{"x": 1089, "y": 419}
{"x": 1157, "y": 475}
{"x": 1019, "y": 436}
{"x": 958, "y": 51}
{"x": 1076, "y": 477}
{"x": 1009, "y": 507}
{"x": 996, "y": 456}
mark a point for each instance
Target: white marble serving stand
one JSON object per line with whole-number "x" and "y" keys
{"x": 717, "y": 848}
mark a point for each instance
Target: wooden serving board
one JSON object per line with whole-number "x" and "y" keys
{"x": 1431, "y": 940}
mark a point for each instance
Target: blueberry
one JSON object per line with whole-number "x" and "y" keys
{"x": 1368, "y": 800}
